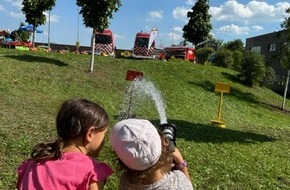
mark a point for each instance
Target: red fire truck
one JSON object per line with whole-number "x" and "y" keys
{"x": 140, "y": 49}
{"x": 104, "y": 43}
{"x": 183, "y": 52}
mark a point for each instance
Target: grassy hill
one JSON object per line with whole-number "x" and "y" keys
{"x": 252, "y": 152}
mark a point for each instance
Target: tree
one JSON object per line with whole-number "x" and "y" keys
{"x": 96, "y": 15}
{"x": 234, "y": 45}
{"x": 253, "y": 69}
{"x": 285, "y": 48}
{"x": 203, "y": 54}
{"x": 237, "y": 48}
{"x": 198, "y": 28}
{"x": 224, "y": 58}
{"x": 34, "y": 9}
{"x": 286, "y": 24}
{"x": 23, "y": 35}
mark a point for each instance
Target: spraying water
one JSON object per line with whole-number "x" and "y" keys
{"x": 138, "y": 89}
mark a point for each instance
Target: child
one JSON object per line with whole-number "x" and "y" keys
{"x": 146, "y": 158}
{"x": 66, "y": 163}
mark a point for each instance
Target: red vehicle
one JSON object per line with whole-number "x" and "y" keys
{"x": 140, "y": 49}
{"x": 104, "y": 43}
{"x": 183, "y": 52}
{"x": 12, "y": 40}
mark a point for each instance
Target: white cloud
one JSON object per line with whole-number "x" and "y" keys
{"x": 257, "y": 28}
{"x": 18, "y": 15}
{"x": 154, "y": 15}
{"x": 117, "y": 36}
{"x": 178, "y": 29}
{"x": 2, "y": 8}
{"x": 254, "y": 11}
{"x": 230, "y": 11}
{"x": 176, "y": 34}
{"x": 180, "y": 13}
{"x": 234, "y": 29}
{"x": 15, "y": 3}
{"x": 53, "y": 17}
{"x": 190, "y": 2}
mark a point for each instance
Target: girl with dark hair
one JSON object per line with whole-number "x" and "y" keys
{"x": 147, "y": 158}
{"x": 67, "y": 162}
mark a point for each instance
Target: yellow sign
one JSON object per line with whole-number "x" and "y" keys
{"x": 222, "y": 87}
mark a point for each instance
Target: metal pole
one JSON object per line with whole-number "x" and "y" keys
{"x": 78, "y": 31}
{"x": 285, "y": 90}
{"x": 171, "y": 35}
{"x": 48, "y": 40}
{"x": 220, "y": 106}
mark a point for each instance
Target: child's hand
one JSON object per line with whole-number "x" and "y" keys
{"x": 176, "y": 156}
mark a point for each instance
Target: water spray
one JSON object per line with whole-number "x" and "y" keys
{"x": 141, "y": 87}
{"x": 133, "y": 76}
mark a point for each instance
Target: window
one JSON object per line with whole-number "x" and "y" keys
{"x": 256, "y": 49}
{"x": 272, "y": 47}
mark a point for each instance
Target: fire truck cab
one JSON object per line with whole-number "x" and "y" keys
{"x": 183, "y": 52}
{"x": 140, "y": 49}
{"x": 104, "y": 43}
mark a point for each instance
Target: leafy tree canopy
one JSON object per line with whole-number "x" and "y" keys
{"x": 285, "y": 48}
{"x": 286, "y": 23}
{"x": 234, "y": 45}
{"x": 198, "y": 28}
{"x": 33, "y": 10}
{"x": 96, "y": 13}
{"x": 23, "y": 35}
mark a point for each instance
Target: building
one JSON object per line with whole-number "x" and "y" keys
{"x": 269, "y": 45}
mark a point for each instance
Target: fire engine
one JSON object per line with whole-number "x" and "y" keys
{"x": 183, "y": 52}
{"x": 140, "y": 49}
{"x": 104, "y": 43}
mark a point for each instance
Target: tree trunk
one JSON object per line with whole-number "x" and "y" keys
{"x": 33, "y": 37}
{"x": 92, "y": 51}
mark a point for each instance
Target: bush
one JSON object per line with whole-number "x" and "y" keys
{"x": 223, "y": 58}
{"x": 203, "y": 54}
{"x": 238, "y": 58}
{"x": 253, "y": 69}
{"x": 269, "y": 78}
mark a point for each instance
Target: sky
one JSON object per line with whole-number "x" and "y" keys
{"x": 230, "y": 19}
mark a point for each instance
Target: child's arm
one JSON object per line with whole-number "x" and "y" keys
{"x": 97, "y": 185}
{"x": 180, "y": 162}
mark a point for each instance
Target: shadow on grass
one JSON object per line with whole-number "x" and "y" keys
{"x": 210, "y": 134}
{"x": 32, "y": 59}
{"x": 236, "y": 93}
{"x": 231, "y": 77}
{"x": 207, "y": 133}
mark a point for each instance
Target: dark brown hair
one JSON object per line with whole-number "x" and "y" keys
{"x": 73, "y": 120}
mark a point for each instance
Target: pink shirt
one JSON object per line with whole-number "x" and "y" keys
{"x": 72, "y": 171}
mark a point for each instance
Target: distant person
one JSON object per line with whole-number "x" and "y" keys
{"x": 146, "y": 158}
{"x": 67, "y": 162}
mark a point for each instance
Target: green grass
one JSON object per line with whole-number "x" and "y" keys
{"x": 252, "y": 152}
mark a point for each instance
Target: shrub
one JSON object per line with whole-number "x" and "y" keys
{"x": 238, "y": 58}
{"x": 252, "y": 69}
{"x": 203, "y": 54}
{"x": 269, "y": 78}
{"x": 223, "y": 58}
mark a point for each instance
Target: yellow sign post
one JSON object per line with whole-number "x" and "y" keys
{"x": 222, "y": 88}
